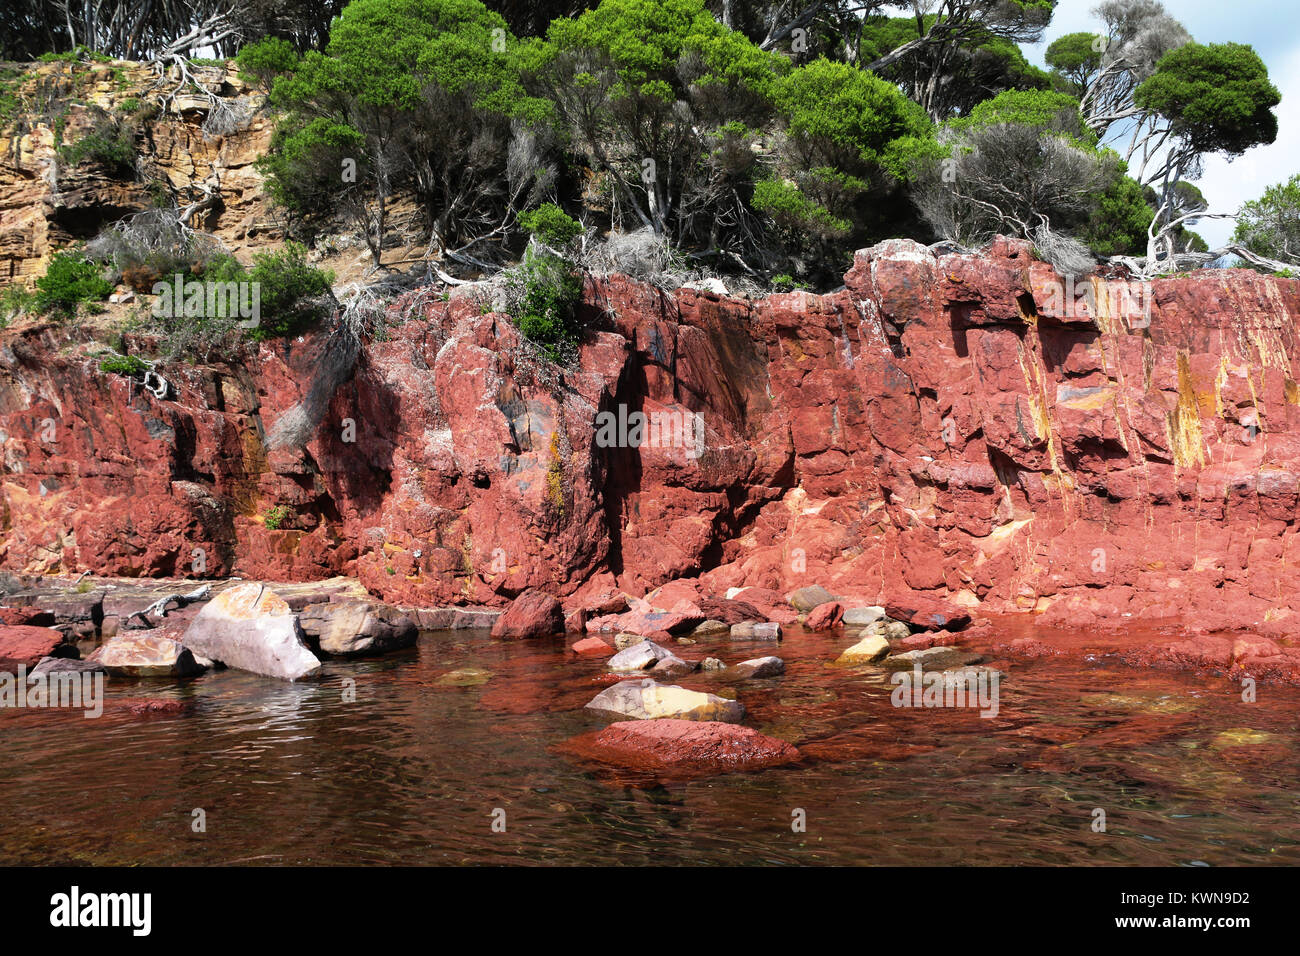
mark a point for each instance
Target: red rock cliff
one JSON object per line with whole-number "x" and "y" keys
{"x": 941, "y": 424}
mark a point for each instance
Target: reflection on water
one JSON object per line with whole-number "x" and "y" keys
{"x": 440, "y": 736}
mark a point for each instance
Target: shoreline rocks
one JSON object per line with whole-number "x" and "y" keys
{"x": 252, "y": 628}
{"x": 755, "y": 630}
{"x": 146, "y": 654}
{"x": 534, "y": 613}
{"x": 24, "y": 644}
{"x": 357, "y": 628}
{"x": 757, "y": 667}
{"x": 869, "y": 650}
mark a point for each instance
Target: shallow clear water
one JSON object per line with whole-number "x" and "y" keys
{"x": 412, "y": 771}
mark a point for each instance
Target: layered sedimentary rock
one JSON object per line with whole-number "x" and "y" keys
{"x": 46, "y": 201}
{"x": 945, "y": 432}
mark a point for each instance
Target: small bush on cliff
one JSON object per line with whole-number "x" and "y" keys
{"x": 70, "y": 280}
{"x": 551, "y": 224}
{"x": 15, "y": 301}
{"x": 547, "y": 309}
{"x": 1270, "y": 226}
{"x": 294, "y": 294}
{"x": 109, "y": 142}
{"x": 266, "y": 59}
{"x": 277, "y": 517}
{"x": 128, "y": 365}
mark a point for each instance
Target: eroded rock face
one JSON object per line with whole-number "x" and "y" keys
{"x": 46, "y": 203}
{"x": 252, "y": 628}
{"x": 940, "y": 436}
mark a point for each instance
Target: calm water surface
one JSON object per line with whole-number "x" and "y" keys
{"x": 411, "y": 772}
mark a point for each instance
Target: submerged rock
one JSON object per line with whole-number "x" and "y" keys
{"x": 757, "y": 667}
{"x": 143, "y": 654}
{"x": 533, "y": 614}
{"x": 689, "y": 747}
{"x": 591, "y": 645}
{"x": 639, "y": 657}
{"x": 673, "y": 667}
{"x": 933, "y": 658}
{"x": 755, "y": 630}
{"x": 464, "y": 677}
{"x": 647, "y": 700}
{"x": 251, "y": 627}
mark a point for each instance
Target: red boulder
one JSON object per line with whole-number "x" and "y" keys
{"x": 533, "y": 614}
{"x": 24, "y": 645}
{"x": 825, "y": 616}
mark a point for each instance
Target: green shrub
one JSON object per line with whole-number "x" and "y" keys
{"x": 276, "y": 517}
{"x": 79, "y": 54}
{"x": 15, "y": 301}
{"x": 127, "y": 365}
{"x": 547, "y": 313}
{"x": 551, "y": 225}
{"x": 70, "y": 280}
{"x": 291, "y": 291}
{"x": 791, "y": 209}
{"x": 787, "y": 283}
{"x": 109, "y": 142}
{"x": 266, "y": 59}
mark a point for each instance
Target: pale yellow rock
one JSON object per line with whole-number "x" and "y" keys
{"x": 647, "y": 700}
{"x": 870, "y": 649}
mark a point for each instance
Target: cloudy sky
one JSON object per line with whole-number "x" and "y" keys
{"x": 1272, "y": 27}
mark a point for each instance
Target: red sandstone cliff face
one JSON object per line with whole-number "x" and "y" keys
{"x": 934, "y": 426}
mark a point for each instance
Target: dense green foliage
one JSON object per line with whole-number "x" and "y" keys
{"x": 294, "y": 294}
{"x": 551, "y": 224}
{"x": 547, "y": 313}
{"x": 1270, "y": 226}
{"x": 129, "y": 365}
{"x": 1217, "y": 95}
{"x": 763, "y": 139}
{"x": 70, "y": 281}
